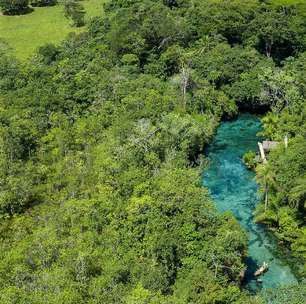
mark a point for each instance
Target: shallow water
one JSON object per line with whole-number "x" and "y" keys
{"x": 233, "y": 188}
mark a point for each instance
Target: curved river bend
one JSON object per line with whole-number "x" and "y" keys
{"x": 233, "y": 188}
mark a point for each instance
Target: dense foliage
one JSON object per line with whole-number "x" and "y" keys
{"x": 43, "y": 2}
{"x": 14, "y": 7}
{"x": 100, "y": 149}
{"x": 284, "y": 177}
{"x": 74, "y": 10}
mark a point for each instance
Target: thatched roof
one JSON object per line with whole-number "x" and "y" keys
{"x": 269, "y": 145}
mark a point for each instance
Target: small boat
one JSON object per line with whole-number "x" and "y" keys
{"x": 262, "y": 269}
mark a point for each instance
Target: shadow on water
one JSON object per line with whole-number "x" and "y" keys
{"x": 249, "y": 278}
{"x": 234, "y": 189}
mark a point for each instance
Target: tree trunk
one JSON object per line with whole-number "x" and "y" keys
{"x": 268, "y": 49}
{"x": 184, "y": 84}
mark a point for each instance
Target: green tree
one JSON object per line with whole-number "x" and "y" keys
{"x": 274, "y": 34}
{"x": 75, "y": 11}
{"x": 101, "y": 199}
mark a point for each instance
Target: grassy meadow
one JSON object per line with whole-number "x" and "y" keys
{"x": 25, "y": 33}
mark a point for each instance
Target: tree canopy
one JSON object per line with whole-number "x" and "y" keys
{"x": 102, "y": 150}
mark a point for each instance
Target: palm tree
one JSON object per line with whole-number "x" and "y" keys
{"x": 265, "y": 176}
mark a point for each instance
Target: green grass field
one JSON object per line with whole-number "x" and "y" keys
{"x": 25, "y": 33}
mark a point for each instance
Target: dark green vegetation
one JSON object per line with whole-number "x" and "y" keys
{"x": 100, "y": 193}
{"x": 43, "y": 2}
{"x": 74, "y": 10}
{"x": 14, "y": 7}
{"x": 283, "y": 180}
{"x": 18, "y": 7}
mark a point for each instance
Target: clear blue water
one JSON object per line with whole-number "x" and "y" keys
{"x": 233, "y": 188}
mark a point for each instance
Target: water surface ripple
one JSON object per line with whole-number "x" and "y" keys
{"x": 233, "y": 188}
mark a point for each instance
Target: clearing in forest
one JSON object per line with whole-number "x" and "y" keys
{"x": 25, "y": 33}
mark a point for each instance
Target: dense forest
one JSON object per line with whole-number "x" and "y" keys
{"x": 102, "y": 150}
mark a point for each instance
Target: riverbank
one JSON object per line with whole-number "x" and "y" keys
{"x": 234, "y": 189}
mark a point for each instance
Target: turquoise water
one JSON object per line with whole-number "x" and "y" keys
{"x": 233, "y": 188}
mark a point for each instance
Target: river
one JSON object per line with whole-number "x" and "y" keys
{"x": 233, "y": 187}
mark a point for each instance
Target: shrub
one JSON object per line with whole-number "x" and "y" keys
{"x": 14, "y": 7}
{"x": 249, "y": 159}
{"x": 48, "y": 52}
{"x": 43, "y": 2}
{"x": 75, "y": 11}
